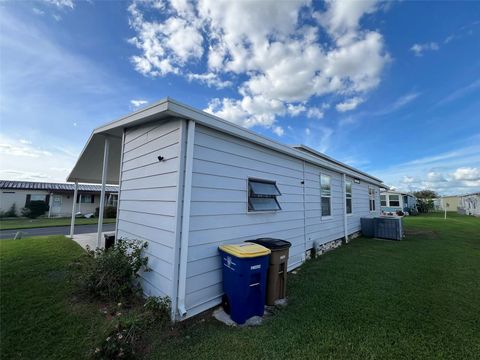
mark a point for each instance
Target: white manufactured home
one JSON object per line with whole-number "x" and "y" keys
{"x": 190, "y": 181}
{"x": 59, "y": 197}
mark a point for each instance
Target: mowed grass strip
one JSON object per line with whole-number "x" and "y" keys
{"x": 25, "y": 223}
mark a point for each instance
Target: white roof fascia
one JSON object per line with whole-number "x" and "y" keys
{"x": 169, "y": 107}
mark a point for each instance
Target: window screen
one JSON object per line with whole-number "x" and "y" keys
{"x": 348, "y": 196}
{"x": 394, "y": 200}
{"x": 371, "y": 198}
{"x": 37, "y": 197}
{"x": 262, "y": 195}
{"x": 326, "y": 194}
{"x": 383, "y": 200}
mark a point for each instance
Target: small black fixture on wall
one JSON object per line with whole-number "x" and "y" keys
{"x": 160, "y": 158}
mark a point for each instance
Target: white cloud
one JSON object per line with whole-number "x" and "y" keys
{"x": 61, "y": 3}
{"x": 459, "y": 93}
{"x": 210, "y": 79}
{"x": 28, "y": 161}
{"x": 280, "y": 62}
{"x": 433, "y": 176}
{"x": 349, "y": 104}
{"x": 315, "y": 112}
{"x": 38, "y": 11}
{"x": 138, "y": 103}
{"x": 466, "y": 173}
{"x": 419, "y": 49}
{"x": 278, "y": 130}
{"x": 23, "y": 148}
{"x": 454, "y": 172}
{"x": 295, "y": 110}
{"x": 405, "y": 99}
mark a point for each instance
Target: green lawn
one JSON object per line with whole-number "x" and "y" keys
{"x": 37, "y": 317}
{"x": 25, "y": 223}
{"x": 376, "y": 299}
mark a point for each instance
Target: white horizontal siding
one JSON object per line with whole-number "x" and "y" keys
{"x": 148, "y": 199}
{"x": 222, "y": 164}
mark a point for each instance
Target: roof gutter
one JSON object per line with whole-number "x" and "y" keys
{"x": 185, "y": 228}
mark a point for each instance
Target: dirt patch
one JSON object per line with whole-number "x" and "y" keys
{"x": 427, "y": 234}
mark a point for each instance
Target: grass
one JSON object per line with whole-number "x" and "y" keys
{"x": 25, "y": 223}
{"x": 38, "y": 318}
{"x": 375, "y": 299}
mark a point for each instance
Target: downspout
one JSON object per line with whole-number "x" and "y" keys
{"x": 185, "y": 228}
{"x": 119, "y": 184}
{"x": 304, "y": 216}
{"x": 345, "y": 208}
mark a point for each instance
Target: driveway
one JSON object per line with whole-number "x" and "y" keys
{"x": 54, "y": 230}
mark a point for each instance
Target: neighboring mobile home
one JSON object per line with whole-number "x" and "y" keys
{"x": 58, "y": 196}
{"x": 393, "y": 201}
{"x": 469, "y": 204}
{"x": 451, "y": 202}
{"x": 190, "y": 181}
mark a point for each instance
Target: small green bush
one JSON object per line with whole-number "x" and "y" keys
{"x": 12, "y": 212}
{"x": 110, "y": 212}
{"x": 126, "y": 328}
{"x": 34, "y": 209}
{"x": 112, "y": 274}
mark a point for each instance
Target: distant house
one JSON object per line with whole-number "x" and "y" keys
{"x": 469, "y": 204}
{"x": 450, "y": 202}
{"x": 393, "y": 201}
{"x": 58, "y": 196}
{"x": 190, "y": 181}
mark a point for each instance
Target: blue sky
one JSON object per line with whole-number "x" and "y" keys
{"x": 391, "y": 88}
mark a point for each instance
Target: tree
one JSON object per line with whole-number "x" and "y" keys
{"x": 425, "y": 200}
{"x": 425, "y": 194}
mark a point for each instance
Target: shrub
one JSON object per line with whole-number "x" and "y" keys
{"x": 125, "y": 330}
{"x": 12, "y": 212}
{"x": 400, "y": 213}
{"x": 157, "y": 308}
{"x": 34, "y": 209}
{"x": 110, "y": 212}
{"x": 112, "y": 274}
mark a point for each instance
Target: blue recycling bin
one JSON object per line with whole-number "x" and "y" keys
{"x": 244, "y": 280}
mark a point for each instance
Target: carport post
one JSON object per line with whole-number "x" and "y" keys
{"x": 74, "y": 203}
{"x": 102, "y": 194}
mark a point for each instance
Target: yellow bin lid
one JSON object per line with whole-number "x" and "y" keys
{"x": 245, "y": 250}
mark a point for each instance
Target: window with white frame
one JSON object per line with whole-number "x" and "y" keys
{"x": 326, "y": 194}
{"x": 371, "y": 198}
{"x": 262, "y": 195}
{"x": 394, "y": 200}
{"x": 348, "y": 196}
{"x": 383, "y": 200}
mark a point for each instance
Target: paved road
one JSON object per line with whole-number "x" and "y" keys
{"x": 55, "y": 230}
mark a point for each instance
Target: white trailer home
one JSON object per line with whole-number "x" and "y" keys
{"x": 190, "y": 181}
{"x": 59, "y": 197}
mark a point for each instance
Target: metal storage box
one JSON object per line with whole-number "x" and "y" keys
{"x": 368, "y": 227}
{"x": 389, "y": 228}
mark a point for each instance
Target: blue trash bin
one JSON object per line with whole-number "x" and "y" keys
{"x": 244, "y": 280}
